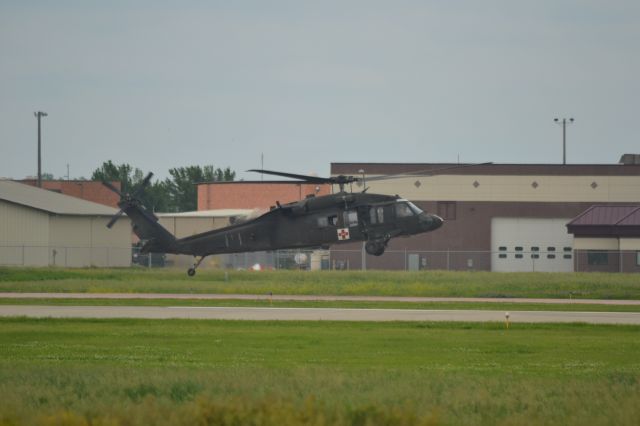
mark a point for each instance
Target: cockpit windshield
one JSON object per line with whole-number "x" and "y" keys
{"x": 414, "y": 208}
{"x": 403, "y": 210}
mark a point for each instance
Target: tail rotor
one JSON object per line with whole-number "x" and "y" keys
{"x": 127, "y": 199}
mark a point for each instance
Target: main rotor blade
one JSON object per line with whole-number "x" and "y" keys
{"x": 310, "y": 179}
{"x": 115, "y": 218}
{"x": 111, "y": 187}
{"x": 426, "y": 172}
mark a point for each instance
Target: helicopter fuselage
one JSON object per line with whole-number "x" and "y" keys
{"x": 315, "y": 222}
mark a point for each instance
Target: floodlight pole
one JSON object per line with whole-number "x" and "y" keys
{"x": 39, "y": 115}
{"x": 564, "y": 137}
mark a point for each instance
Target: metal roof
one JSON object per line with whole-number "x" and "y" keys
{"x": 487, "y": 169}
{"x": 51, "y": 202}
{"x": 608, "y": 216}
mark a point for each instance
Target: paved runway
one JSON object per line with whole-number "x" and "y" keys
{"x": 323, "y": 298}
{"x": 315, "y": 314}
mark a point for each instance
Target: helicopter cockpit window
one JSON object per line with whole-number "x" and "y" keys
{"x": 325, "y": 221}
{"x": 403, "y": 210}
{"x": 351, "y": 218}
{"x": 376, "y": 215}
{"x": 417, "y": 210}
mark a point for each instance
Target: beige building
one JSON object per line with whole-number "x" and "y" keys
{"x": 44, "y": 228}
{"x": 500, "y": 217}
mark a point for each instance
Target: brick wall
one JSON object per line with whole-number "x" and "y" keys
{"x": 252, "y": 195}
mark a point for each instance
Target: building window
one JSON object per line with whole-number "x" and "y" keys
{"x": 535, "y": 256}
{"x": 447, "y": 210}
{"x": 597, "y": 257}
{"x": 518, "y": 248}
{"x": 502, "y": 248}
{"x": 551, "y": 256}
{"x": 504, "y": 256}
{"x": 518, "y": 255}
{"x": 551, "y": 249}
{"x": 567, "y": 256}
{"x": 567, "y": 249}
{"x": 535, "y": 248}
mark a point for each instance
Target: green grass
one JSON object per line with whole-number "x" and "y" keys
{"x": 132, "y": 372}
{"x": 431, "y": 283}
{"x": 503, "y": 306}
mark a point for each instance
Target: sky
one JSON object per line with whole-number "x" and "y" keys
{"x": 160, "y": 84}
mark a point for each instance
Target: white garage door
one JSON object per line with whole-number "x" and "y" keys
{"x": 527, "y": 244}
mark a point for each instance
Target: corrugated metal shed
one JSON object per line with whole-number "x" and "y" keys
{"x": 608, "y": 222}
{"x": 608, "y": 216}
{"x": 49, "y": 201}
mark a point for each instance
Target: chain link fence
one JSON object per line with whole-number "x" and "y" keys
{"x": 309, "y": 259}
{"x": 65, "y": 256}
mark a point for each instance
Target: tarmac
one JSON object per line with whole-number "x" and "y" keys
{"x": 315, "y": 314}
{"x": 284, "y": 297}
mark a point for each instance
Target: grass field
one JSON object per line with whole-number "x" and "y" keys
{"x": 431, "y": 283}
{"x": 135, "y": 372}
{"x": 327, "y": 304}
{"x": 139, "y": 372}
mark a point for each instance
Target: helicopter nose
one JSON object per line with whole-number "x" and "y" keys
{"x": 431, "y": 222}
{"x": 437, "y": 221}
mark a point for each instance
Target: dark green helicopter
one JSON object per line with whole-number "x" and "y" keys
{"x": 320, "y": 221}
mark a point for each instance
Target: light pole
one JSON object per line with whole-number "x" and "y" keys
{"x": 39, "y": 115}
{"x": 564, "y": 123}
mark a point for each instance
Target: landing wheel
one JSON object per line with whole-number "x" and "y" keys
{"x": 375, "y": 248}
{"x": 191, "y": 272}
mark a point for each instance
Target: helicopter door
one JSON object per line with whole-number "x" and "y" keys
{"x": 376, "y": 215}
{"x": 350, "y": 218}
{"x": 351, "y": 222}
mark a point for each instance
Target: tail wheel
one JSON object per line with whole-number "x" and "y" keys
{"x": 191, "y": 272}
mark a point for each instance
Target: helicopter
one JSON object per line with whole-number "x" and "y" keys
{"x": 315, "y": 221}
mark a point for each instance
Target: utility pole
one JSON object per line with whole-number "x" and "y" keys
{"x": 39, "y": 115}
{"x": 564, "y": 136}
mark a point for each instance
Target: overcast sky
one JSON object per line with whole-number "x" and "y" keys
{"x": 163, "y": 84}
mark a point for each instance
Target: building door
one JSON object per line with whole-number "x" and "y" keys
{"x": 531, "y": 244}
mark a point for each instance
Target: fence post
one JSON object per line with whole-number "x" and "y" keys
{"x": 405, "y": 259}
{"x": 448, "y": 261}
{"x": 620, "y": 253}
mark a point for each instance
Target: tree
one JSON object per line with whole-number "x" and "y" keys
{"x": 110, "y": 172}
{"x": 155, "y": 197}
{"x": 171, "y": 195}
{"x": 182, "y": 186}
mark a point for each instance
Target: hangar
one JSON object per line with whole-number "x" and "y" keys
{"x": 607, "y": 239}
{"x": 500, "y": 217}
{"x": 44, "y": 228}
